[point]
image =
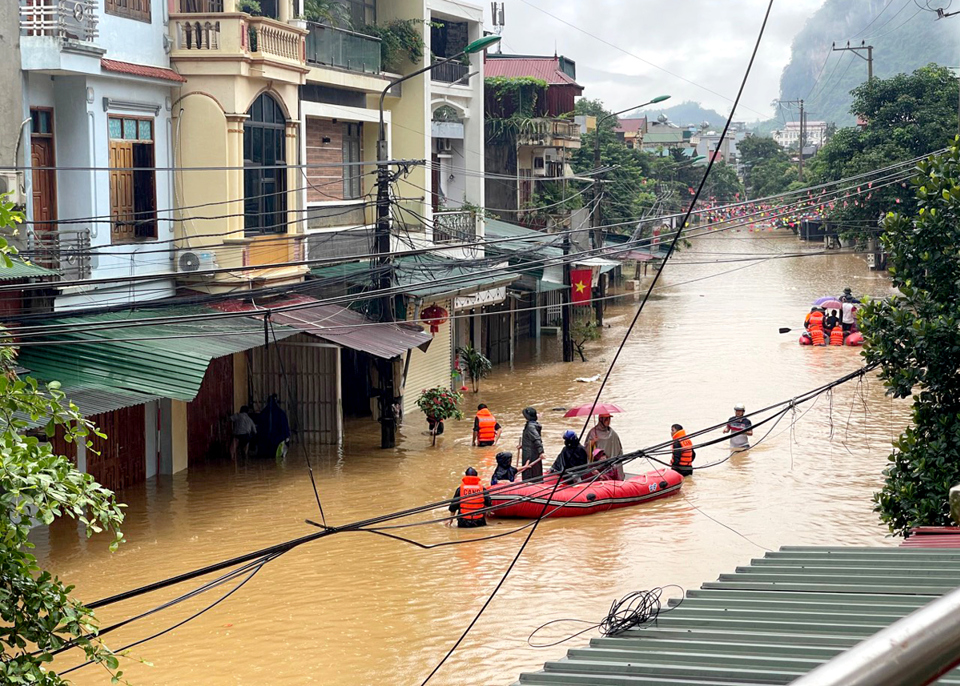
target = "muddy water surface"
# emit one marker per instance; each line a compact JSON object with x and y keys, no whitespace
{"x":361,"y":609}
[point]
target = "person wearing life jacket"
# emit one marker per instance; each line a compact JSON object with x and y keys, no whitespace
{"x":816,"y":319}
{"x":683,"y":452}
{"x":469,"y":501}
{"x":806,"y":320}
{"x":836,"y":335}
{"x":486,"y":430}
{"x":816,"y":336}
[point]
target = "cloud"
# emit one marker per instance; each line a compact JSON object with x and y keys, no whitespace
{"x":706,"y":42}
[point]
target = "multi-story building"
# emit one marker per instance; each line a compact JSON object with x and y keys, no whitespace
{"x":630,"y":131}
{"x":539,"y":150}
{"x":815,"y":134}
{"x":97,"y":106}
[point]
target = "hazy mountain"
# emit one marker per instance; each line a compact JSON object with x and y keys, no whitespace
{"x":682,"y":114}
{"x":903,"y":35}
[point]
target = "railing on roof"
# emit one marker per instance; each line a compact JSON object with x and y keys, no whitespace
{"x":333,"y":47}
{"x":449,"y":72}
{"x":455,"y":227}
{"x":66,"y":250}
{"x":61,"y":19}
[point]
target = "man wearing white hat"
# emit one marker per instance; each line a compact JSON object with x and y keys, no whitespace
{"x":741,"y":427}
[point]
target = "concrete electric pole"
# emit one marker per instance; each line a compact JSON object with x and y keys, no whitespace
{"x":856,"y":51}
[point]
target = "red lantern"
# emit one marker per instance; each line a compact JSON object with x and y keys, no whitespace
{"x":434,"y":316}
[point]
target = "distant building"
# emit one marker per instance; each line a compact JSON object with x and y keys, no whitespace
{"x":630,"y":131}
{"x":789,"y":136}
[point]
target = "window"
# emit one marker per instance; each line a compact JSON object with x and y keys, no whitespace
{"x":133,"y":185}
{"x":352,"y":151}
{"x":264,"y":176}
{"x":132,"y":9}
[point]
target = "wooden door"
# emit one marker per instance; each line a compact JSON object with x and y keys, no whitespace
{"x":43,"y":159}
{"x":121,"y":190}
{"x":121,"y":461}
{"x":435,"y":184}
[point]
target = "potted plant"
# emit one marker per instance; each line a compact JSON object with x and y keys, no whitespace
{"x":476,"y":363}
{"x":439,"y":404}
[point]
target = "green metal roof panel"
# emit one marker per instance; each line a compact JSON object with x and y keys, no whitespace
{"x":767,"y":623}
{"x":416,"y":274}
{"x":158,"y":359}
{"x":24,"y":270}
{"x":93,"y":400}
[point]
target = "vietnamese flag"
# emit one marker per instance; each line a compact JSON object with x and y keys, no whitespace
{"x":580,"y":282}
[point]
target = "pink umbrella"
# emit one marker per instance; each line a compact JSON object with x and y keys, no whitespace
{"x":584,"y":410}
{"x":831,"y":305}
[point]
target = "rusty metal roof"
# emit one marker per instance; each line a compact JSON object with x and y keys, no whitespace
{"x":768,"y":622}
{"x":517,"y":66}
{"x":340,"y":326}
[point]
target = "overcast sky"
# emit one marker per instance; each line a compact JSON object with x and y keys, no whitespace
{"x":707,"y":42}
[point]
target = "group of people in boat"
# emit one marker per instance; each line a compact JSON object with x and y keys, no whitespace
{"x":831,"y":326}
{"x":471,"y":498}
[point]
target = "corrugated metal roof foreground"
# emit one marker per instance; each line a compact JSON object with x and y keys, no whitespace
{"x":92,"y":401}
{"x":767,"y":623}
{"x":24,"y":270}
{"x":157,"y":359}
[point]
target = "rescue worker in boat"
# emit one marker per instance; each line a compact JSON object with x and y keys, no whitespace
{"x":741,"y":427}
{"x":603,"y":436}
{"x":505,"y":470}
{"x":683,"y":452}
{"x":806,"y":320}
{"x":486,"y":429}
{"x":531,"y":446}
{"x":572,"y":456}
{"x":468,"y":501}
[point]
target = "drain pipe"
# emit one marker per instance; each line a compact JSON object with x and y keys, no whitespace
{"x":915,"y":651}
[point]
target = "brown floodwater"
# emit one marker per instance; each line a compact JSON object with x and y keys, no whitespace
{"x":362,"y":609}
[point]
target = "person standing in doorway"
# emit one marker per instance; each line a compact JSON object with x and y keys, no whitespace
{"x":603,"y":437}
{"x":531,"y":446}
{"x":244,"y":431}
{"x":486,"y":429}
{"x":741,"y":427}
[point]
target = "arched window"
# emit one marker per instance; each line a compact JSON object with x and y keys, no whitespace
{"x":264,"y":183}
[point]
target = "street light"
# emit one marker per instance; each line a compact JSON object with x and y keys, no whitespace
{"x":388,"y":421}
{"x":597,"y":218}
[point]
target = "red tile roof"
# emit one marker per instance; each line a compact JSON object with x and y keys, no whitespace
{"x":141,"y":70}
{"x":546,"y":68}
{"x":631,"y":125}
{"x":933,"y":537}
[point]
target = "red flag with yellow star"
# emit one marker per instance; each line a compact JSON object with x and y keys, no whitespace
{"x":580,"y":282}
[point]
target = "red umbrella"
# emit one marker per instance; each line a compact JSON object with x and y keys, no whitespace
{"x":584,"y":410}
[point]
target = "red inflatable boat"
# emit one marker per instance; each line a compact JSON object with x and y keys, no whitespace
{"x":582,"y":498}
{"x":854,"y":339}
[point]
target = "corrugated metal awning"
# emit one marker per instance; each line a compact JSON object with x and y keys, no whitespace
{"x":768,"y":623}
{"x":341,"y":326}
{"x":95,"y":400}
{"x":23,"y":270}
{"x":118,"y":351}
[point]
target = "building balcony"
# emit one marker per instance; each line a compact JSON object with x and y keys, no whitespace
{"x":451,"y":72}
{"x":458,"y":226}
{"x":60,"y":35}
{"x":551,"y":133}
{"x":66,"y":250}
{"x":219,"y":36}
{"x":328,"y":46}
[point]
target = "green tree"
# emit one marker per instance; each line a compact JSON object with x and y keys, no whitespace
{"x":769,"y":169}
{"x":906,"y":116}
{"x":582,"y":331}
{"x":915,"y":337}
{"x":38,"y":486}
{"x":723,"y":184}
{"x":476,"y":363}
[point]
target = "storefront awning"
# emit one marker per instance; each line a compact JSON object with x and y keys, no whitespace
{"x":94,"y":400}
{"x":339,"y":325}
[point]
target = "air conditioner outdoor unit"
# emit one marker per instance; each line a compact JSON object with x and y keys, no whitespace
{"x":540,"y":171}
{"x":10,"y":183}
{"x":195,"y":261}
{"x":444,"y":145}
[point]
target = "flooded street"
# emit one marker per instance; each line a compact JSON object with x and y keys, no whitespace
{"x":361,"y":609}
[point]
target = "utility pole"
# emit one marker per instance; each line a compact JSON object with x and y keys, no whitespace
{"x":943,"y":15}
{"x":388,"y":418}
{"x":565,"y":310}
{"x":803,"y":134}
{"x":856,"y":51}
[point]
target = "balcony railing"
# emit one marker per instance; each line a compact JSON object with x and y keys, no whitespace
{"x":67,"y":250}
{"x":559,"y":133}
{"x":455,"y":227}
{"x":239,"y":34}
{"x":333,"y":47}
{"x":61,"y":19}
{"x":451,"y":72}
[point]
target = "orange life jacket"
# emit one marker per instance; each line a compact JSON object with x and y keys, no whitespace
{"x":806,"y":320}
{"x":686,"y":457}
{"x":816,"y":320}
{"x":471,"y":498}
{"x":488,"y":426}
{"x":836,"y":336}
{"x":816,"y":334}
